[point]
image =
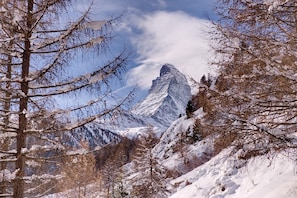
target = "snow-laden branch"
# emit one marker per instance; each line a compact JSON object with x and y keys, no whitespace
{"x":57,"y":112}
{"x":64,"y":35}
{"x":43,"y":177}
{"x":80,"y":82}
{"x":37,"y":148}
{"x":94,"y":25}
{"x":7,"y":175}
{"x":9,"y":132}
{"x":57,"y":128}
{"x":40,"y":73}
{"x":11,"y":152}
{"x":276,"y":133}
{"x":274,"y":4}
{"x":107,"y":111}
{"x":89,"y":78}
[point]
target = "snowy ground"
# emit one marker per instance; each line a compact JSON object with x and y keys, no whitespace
{"x":227,"y":177}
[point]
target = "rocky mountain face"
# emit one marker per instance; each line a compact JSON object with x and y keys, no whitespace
{"x":165,"y":102}
{"x":167,"y":98}
{"x":92,"y":134}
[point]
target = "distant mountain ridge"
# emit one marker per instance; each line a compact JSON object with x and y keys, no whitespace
{"x":93,"y":134}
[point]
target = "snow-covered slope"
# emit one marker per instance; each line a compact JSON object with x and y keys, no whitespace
{"x":92,"y":134}
{"x":226,"y":175}
{"x":175,"y":150}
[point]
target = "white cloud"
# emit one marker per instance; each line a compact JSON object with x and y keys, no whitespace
{"x":170,"y":37}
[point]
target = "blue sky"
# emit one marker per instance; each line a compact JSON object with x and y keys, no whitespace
{"x":161,"y":31}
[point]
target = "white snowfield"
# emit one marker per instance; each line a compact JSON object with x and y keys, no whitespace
{"x":228,"y":177}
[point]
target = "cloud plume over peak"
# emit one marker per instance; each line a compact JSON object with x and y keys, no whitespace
{"x":169,"y":37}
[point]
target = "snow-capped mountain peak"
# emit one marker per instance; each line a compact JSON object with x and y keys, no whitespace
{"x":165,"y":102}
{"x":167,"y":98}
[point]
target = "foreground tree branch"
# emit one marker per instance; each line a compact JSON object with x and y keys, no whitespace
{"x":38,"y":59}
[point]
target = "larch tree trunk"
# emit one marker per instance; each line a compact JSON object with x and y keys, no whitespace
{"x":23,"y":106}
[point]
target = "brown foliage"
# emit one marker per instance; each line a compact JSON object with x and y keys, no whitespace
{"x":150,"y":180}
{"x":253,"y":153}
{"x":121,"y":152}
{"x":77,"y":171}
{"x":109,"y":161}
{"x":224,"y":141}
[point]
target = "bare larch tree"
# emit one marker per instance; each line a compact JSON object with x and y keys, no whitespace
{"x":42,"y":44}
{"x":255,"y":93}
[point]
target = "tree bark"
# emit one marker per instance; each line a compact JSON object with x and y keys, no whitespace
{"x":23,"y":107}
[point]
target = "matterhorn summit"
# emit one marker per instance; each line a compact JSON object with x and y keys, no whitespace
{"x":165,"y":102}
{"x":167,"y":97}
